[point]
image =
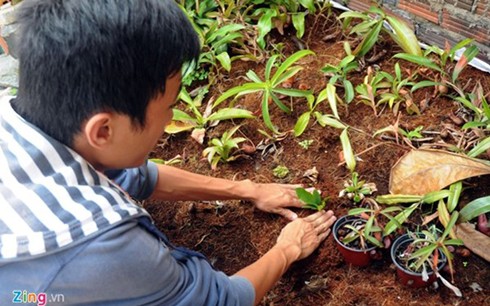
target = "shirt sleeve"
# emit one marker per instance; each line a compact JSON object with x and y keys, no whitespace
{"x":138,"y":182}
{"x":129,"y":266}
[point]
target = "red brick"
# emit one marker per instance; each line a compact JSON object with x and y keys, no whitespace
{"x":483,"y":8}
{"x":419,"y":9}
{"x":462,"y":4}
{"x":463,"y":27}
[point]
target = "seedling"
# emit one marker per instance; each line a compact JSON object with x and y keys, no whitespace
{"x":269,"y":87}
{"x":305,"y":144}
{"x":356,"y":190}
{"x":373,"y":215}
{"x":221,"y":149}
{"x":360,"y":233}
{"x":312,"y":200}
{"x":195,"y":120}
{"x":280,"y":171}
{"x":279,"y":14}
{"x":372,"y":24}
{"x":338,"y":75}
{"x":443,"y":61}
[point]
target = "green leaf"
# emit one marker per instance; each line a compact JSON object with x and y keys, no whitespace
{"x":308,"y":4}
{"x":453,"y":199}
{"x":286,"y":75}
{"x":224,"y":60}
{"x":332,"y":99}
{"x":299,"y":23}
{"x":369,"y":40}
{"x":419,"y":60}
{"x":452,"y":221}
{"x":325,"y":120}
{"x":279,"y":103}
{"x":468,"y":55}
{"x":349,"y":157}
{"x":264,"y":26}
{"x":288,"y":62}
{"x":230,"y":113}
{"x":392,"y":225}
{"x":265,"y":113}
{"x":404,"y":36}
{"x":423,"y":84}
{"x":239,"y":90}
{"x":475,"y":208}
{"x":253,"y":76}
{"x":292,"y":92}
{"x":357,"y":211}
{"x":349,"y":91}
{"x":269,"y":65}
{"x":483,"y":146}
{"x":305,"y":196}
{"x":301,"y":124}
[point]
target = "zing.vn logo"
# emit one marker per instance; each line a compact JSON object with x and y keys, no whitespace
{"x":41,"y":299}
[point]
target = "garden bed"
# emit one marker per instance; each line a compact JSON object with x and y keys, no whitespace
{"x":235,"y":234}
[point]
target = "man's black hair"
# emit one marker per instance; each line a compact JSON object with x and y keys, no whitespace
{"x":79,"y":57}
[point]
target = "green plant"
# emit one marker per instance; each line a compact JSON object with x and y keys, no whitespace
{"x":373,"y":214}
{"x":372,"y":24}
{"x":312,"y":200}
{"x":443,"y":62}
{"x":423,"y":252}
{"x":368,"y":90}
{"x":197,"y":121}
{"x":338,"y":75}
{"x":280,"y":171}
{"x":304,"y":119}
{"x":398,"y":92}
{"x":279,"y":14}
{"x":363,"y":232}
{"x":305,"y":144}
{"x":477,"y":103}
{"x":221,"y":149}
{"x":356,"y":190}
{"x":412,"y":134}
{"x":173,"y":161}
{"x":269,"y":87}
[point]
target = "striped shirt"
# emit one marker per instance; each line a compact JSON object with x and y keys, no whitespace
{"x":50,"y":197}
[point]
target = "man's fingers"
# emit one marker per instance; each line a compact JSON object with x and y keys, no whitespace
{"x":286,"y":213}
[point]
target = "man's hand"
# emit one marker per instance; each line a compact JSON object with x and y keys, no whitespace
{"x":302,"y":236}
{"x":274,"y":198}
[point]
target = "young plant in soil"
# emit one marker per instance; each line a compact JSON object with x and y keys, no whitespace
{"x":197,"y":121}
{"x":312,"y":200}
{"x":221,"y":149}
{"x":269,"y":87}
{"x":356,"y":190}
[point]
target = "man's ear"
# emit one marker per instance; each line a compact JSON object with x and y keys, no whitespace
{"x":99,"y":130}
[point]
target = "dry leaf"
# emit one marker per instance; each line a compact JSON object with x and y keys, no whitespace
{"x":477,"y":242}
{"x":422,"y":171}
{"x":198,"y":135}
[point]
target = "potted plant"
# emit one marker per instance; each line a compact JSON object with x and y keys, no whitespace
{"x":419,"y":256}
{"x":355,"y":240}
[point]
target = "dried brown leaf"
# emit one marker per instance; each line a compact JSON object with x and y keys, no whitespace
{"x":422,"y":171}
{"x":474,"y":240}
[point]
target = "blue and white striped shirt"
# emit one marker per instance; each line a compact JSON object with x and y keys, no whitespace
{"x":50,"y":197}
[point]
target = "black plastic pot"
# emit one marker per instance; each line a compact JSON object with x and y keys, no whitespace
{"x":356,"y":257}
{"x":407,"y":277}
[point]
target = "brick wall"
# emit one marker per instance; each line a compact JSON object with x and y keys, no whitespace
{"x":438,"y":21}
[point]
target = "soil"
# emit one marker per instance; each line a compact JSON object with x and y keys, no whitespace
{"x":236,"y":234}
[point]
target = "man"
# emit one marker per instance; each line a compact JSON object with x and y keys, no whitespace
{"x":97,"y":82}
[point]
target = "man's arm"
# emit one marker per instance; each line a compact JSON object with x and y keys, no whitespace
{"x":175,"y":184}
{"x":297,"y":240}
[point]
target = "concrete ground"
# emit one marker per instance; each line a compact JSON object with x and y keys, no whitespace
{"x":8,"y":72}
